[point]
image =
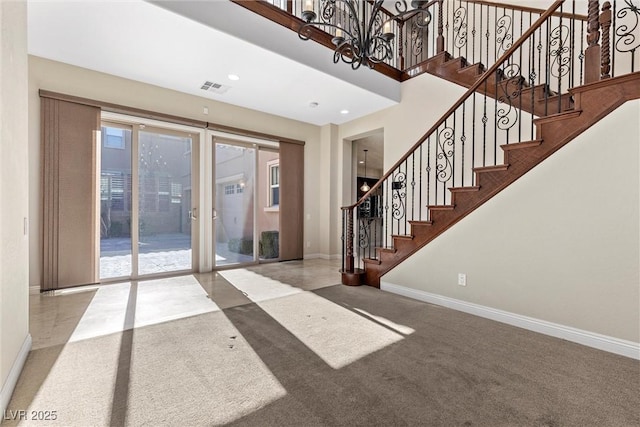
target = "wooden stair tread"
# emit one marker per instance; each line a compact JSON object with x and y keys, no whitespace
{"x":496,"y":168}
{"x":418,"y":223}
{"x":441,"y":207}
{"x":520,"y":145}
{"x":371,"y":261}
{"x":559,"y":116}
{"x":389,"y":249}
{"x":402,"y":236}
{"x":469,"y":189}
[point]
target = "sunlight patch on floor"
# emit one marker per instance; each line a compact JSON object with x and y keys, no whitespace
{"x":156,"y":301}
{"x":212,"y":377}
{"x":337,"y":335}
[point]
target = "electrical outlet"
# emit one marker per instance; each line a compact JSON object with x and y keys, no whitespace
{"x":308,"y":244}
{"x":462,"y":279}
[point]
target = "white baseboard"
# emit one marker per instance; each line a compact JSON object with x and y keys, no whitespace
{"x":14,"y":373}
{"x":591,"y":339}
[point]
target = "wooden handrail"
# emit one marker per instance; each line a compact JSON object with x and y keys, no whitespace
{"x":549,"y":12}
{"x":527,"y":9}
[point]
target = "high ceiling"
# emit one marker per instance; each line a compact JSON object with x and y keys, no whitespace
{"x":181,"y":45}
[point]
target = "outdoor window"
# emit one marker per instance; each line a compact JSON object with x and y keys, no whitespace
{"x":274,"y":185}
{"x":239,"y":188}
{"x":114,"y":138}
{"x":229,"y":189}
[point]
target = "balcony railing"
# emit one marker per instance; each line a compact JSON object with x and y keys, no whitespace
{"x":482,"y":31}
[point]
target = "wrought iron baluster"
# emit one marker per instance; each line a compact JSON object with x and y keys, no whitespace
{"x":463,"y":139}
{"x":480,"y":38}
{"x":627,"y":31}
{"x":413,"y":185}
{"x":524,"y":82}
{"x":473,"y":140}
{"x":420,"y":186}
{"x":487,"y":35}
{"x":532,"y":75}
{"x":548,"y":72}
{"x":460,"y":28}
{"x":605,"y":23}
{"x":485,"y":119}
{"x":386,"y":214}
{"x":429,"y":177}
{"x":473,"y":34}
{"x":453,"y":161}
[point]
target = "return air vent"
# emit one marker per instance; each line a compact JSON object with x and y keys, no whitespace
{"x":215,"y":87}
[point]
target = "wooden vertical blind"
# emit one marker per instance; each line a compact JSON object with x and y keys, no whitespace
{"x":291,"y":201}
{"x":69,"y":190}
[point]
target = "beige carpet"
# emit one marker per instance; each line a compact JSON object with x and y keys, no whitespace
{"x":333,"y":356}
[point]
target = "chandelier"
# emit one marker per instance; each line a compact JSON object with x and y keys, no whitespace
{"x":363,"y":31}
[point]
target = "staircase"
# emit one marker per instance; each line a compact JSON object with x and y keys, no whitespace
{"x":507,"y":122}
{"x":592,"y":102}
{"x":536,"y":80}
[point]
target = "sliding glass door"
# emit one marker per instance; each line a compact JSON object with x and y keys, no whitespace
{"x":235,"y":185}
{"x":246,"y":202}
{"x":146,"y":215}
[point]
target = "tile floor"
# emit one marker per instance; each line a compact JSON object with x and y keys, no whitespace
{"x":80,"y":313}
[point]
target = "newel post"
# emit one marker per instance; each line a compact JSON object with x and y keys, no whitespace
{"x":347,"y":235}
{"x":592,"y":53}
{"x":440,"y":39}
{"x":605,"y":23}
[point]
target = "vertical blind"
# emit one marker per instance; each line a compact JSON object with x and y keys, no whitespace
{"x":69,"y":150}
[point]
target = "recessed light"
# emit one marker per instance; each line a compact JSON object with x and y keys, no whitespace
{"x":361,"y":162}
{"x":344,"y":111}
{"x":233,"y":77}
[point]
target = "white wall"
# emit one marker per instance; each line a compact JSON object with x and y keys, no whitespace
{"x":561,"y":244}
{"x":14,"y":255}
{"x":63,"y":78}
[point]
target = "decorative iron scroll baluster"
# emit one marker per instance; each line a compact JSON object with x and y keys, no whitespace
{"x":560,"y":65}
{"x":605,"y":23}
{"x":627,"y":30}
{"x":511,"y":88}
{"x":445,"y":145}
{"x":416,"y":38}
{"x":504,"y":38}
{"x":364,"y":233}
{"x":398,"y":187}
{"x":460,"y":28}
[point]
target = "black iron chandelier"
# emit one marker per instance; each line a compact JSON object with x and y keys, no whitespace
{"x":363,"y":30}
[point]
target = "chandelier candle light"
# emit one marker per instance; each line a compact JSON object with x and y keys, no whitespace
{"x":361,"y":32}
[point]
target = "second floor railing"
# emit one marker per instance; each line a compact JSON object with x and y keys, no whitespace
{"x":481,"y":31}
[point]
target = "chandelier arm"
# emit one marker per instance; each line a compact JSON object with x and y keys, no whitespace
{"x":354,"y":16}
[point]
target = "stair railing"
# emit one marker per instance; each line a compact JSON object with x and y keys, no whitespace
{"x":497,"y":110}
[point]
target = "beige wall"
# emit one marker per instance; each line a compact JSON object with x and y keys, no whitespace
{"x":561,"y":244}
{"x":58,"y":77}
{"x":14,"y":255}
{"x":424,"y":100}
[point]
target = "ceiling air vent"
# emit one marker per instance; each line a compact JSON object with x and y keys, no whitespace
{"x":215,"y":87}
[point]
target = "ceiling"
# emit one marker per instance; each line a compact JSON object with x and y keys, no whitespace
{"x":181,"y":44}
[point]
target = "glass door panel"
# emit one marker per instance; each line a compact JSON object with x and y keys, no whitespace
{"x":234,"y":204}
{"x":115,"y":202}
{"x":164,"y":208}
